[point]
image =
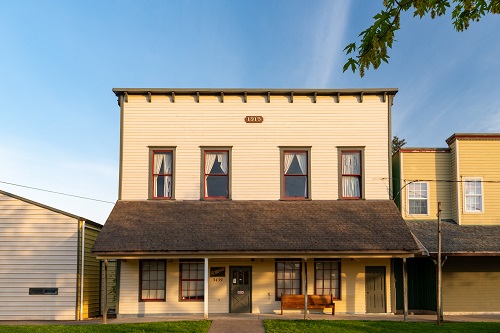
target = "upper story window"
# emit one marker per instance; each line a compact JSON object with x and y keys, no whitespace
{"x":418,"y":198}
{"x":295,"y":174}
{"x":216,"y":174}
{"x":351,"y":174}
{"x":162,"y":174}
{"x":152,"y":280}
{"x":473,"y":195}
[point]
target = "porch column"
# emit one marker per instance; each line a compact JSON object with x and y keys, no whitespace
{"x":105,"y":314}
{"x":405,"y":290}
{"x":304,"y":270}
{"x":205,"y":295}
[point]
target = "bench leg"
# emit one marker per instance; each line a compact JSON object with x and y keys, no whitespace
{"x":333,"y":310}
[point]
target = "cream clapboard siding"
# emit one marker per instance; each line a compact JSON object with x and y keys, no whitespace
{"x":255,"y":167}
{"x":433,"y":166}
{"x":38,"y":248}
{"x":467,"y":290}
{"x":480,"y":158}
{"x":263,"y":288}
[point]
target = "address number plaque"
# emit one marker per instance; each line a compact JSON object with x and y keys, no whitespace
{"x":254,"y":119}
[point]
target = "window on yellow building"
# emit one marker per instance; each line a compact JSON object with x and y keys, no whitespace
{"x":418,"y":198}
{"x":473,"y":195}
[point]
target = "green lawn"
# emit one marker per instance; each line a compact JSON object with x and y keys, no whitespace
{"x":172,"y":326}
{"x":356,"y":326}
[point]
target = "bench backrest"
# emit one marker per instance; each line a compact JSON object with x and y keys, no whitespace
{"x":298,"y":300}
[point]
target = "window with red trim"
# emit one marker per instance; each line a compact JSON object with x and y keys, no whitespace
{"x":351,"y":174}
{"x":192,"y":282}
{"x":288,"y":277}
{"x":152,"y":275}
{"x":162,"y":174}
{"x":327,"y":277}
{"x":295,"y":174}
{"x":216,"y":177}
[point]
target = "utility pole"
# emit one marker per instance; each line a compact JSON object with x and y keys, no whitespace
{"x":439,"y":271}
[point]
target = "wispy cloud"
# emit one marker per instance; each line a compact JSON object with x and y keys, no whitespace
{"x":327,"y":49}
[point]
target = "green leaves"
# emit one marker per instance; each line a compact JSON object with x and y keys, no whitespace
{"x":375,"y":41}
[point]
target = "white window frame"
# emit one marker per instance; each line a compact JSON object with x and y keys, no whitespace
{"x":408,"y":187}
{"x":472,"y":179}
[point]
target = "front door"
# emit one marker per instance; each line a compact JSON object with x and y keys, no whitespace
{"x":240,"y":286}
{"x":375,"y":289}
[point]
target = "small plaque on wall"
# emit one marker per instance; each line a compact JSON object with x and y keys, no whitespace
{"x":254,"y":119}
{"x":217,"y":271}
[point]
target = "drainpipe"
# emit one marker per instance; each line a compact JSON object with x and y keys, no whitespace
{"x":82,"y":270}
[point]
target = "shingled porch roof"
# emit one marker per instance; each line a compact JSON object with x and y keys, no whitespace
{"x":482,"y":240}
{"x":255,"y":227}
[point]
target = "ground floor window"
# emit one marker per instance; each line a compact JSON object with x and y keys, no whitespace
{"x":288,"y":277}
{"x":327,"y":277}
{"x":152,"y":280}
{"x":192,"y":283}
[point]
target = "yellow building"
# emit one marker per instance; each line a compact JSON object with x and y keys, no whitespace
{"x":465,"y":179}
{"x":230,"y":198}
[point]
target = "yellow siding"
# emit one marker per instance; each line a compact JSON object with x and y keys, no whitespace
{"x":91,"y":277}
{"x":255,"y":168}
{"x":481,"y":158}
{"x":38,"y":248}
{"x":434,"y":167}
{"x":111,"y":290}
{"x":471,"y":285}
{"x":454,"y":186}
{"x":263,"y":288}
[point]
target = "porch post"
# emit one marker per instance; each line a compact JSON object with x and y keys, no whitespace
{"x":105,"y":314}
{"x":439,"y":271}
{"x":205,"y":294}
{"x":305,"y":287}
{"x":405,"y":290}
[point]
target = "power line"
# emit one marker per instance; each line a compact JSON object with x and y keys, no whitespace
{"x":60,"y":193}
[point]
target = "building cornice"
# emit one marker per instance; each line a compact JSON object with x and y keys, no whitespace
{"x":472,"y":136}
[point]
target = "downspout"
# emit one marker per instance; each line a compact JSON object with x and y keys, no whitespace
{"x":82,"y":270}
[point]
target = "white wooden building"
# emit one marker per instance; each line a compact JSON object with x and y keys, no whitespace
{"x":47,"y":270}
{"x":229,"y":198}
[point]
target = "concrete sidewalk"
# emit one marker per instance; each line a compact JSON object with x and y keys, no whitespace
{"x":252,"y":323}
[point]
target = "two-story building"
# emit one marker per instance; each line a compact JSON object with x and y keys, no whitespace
{"x":465,"y":178}
{"x":230,"y":198}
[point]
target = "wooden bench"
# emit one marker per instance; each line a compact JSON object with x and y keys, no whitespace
{"x":313,"y":302}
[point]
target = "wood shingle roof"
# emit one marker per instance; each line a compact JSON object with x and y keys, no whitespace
{"x":458,"y":239}
{"x":166,"y":227}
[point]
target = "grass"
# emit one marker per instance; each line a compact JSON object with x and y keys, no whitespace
{"x":201,"y":326}
{"x":356,"y":326}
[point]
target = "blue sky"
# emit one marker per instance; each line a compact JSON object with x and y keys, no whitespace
{"x":59,"y":120}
